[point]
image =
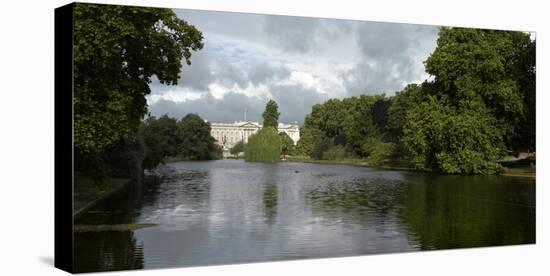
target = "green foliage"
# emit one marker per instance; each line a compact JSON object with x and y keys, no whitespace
{"x":442,"y":138}
{"x":360,"y":125}
{"x":125,"y":158}
{"x":490,"y":69}
{"x":196,"y":142}
{"x":263,"y":146}
{"x":237,"y":148}
{"x":117,"y":49}
{"x":287,"y":144}
{"x":349,"y":122}
{"x":321,"y":147}
{"x":271,"y":115}
{"x":309,"y":137}
{"x":337,"y":152}
{"x":380,"y":113}
{"x":383,"y":153}
{"x":329,"y":117}
{"x":161,"y":140}
{"x":187,"y":139}
{"x":400,"y":104}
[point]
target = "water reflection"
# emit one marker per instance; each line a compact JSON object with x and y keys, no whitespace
{"x":473,"y":211}
{"x":223,"y":212}
{"x":107,"y":251}
{"x":356,"y":201}
{"x":269,"y":199}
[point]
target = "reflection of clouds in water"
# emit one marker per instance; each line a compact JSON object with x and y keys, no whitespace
{"x":229,"y":204}
{"x":173,"y":219}
{"x":223,"y":212}
{"x":235,"y":211}
{"x":181,"y":195}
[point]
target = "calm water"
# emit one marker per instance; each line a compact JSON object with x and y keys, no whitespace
{"x":227,"y":211}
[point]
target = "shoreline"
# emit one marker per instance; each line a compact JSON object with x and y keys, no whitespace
{"x":89,"y":195}
{"x":510,"y":171}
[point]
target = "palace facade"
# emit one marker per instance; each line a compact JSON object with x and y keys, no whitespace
{"x":229,"y":134}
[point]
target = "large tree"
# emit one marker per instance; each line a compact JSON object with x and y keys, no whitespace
{"x":117,"y":51}
{"x":479,"y":104}
{"x":489,"y":69}
{"x":271,"y":115}
{"x":445,"y":139}
{"x":263,"y":146}
{"x":161,"y":140}
{"x":196,"y":142}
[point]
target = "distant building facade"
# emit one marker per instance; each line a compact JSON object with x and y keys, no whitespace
{"x":229,"y":134}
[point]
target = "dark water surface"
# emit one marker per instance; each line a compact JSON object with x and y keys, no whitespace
{"x":227,"y":211}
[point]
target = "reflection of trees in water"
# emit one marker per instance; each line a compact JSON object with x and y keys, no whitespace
{"x":356,"y":201}
{"x":192,"y":188}
{"x":121,"y":207}
{"x":107,"y":251}
{"x":269,"y":198}
{"x":459,"y":211}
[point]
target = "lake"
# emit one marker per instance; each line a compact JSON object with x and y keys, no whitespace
{"x":230,"y":211}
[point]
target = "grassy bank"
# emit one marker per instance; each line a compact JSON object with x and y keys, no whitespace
{"x":395,"y":165}
{"x":86,"y":192}
{"x":520,"y":168}
{"x":511,"y":168}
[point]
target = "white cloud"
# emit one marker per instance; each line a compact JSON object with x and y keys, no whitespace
{"x":179,"y":95}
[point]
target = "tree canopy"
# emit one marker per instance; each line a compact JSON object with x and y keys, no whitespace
{"x":263,"y":146}
{"x":187,"y":139}
{"x":271,"y":115}
{"x":117,"y":52}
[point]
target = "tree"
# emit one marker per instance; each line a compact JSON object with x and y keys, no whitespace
{"x":361,"y":127}
{"x":397,"y":112}
{"x":330,"y":117}
{"x":321,"y":147}
{"x":309,"y":137}
{"x":117,"y":50}
{"x":237,"y":148}
{"x":476,"y":107}
{"x":380,"y":113}
{"x":196,"y":141}
{"x":455,"y":141}
{"x":263,"y":146}
{"x":271,"y":115}
{"x":287,"y":144}
{"x":161,"y":140}
{"x":490,"y":69}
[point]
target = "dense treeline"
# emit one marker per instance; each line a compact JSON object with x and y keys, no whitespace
{"x":479,"y":107}
{"x":186,"y":139}
{"x":117,"y":50}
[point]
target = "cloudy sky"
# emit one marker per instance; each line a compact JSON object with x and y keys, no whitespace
{"x":248,"y":59}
